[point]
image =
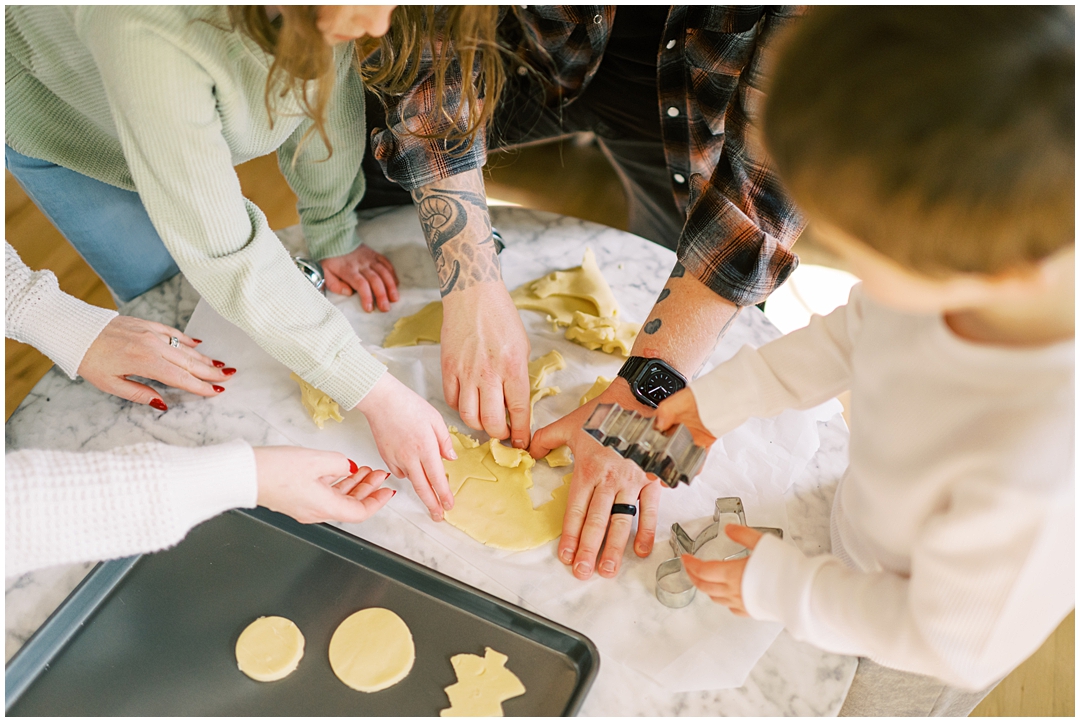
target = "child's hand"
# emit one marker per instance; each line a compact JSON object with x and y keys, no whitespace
{"x":681,"y":408}
{"x":300,"y":482}
{"x":412,"y":439}
{"x":722,"y":581}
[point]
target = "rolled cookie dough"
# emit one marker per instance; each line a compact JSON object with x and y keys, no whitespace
{"x":609,"y":335}
{"x":559,"y":457}
{"x":372,"y":650}
{"x":484,"y":683}
{"x":424,"y":325}
{"x":500,"y":513}
{"x":562,"y":293}
{"x":269,"y":649}
{"x":599,"y":387}
{"x":318,"y":404}
{"x":539,"y":368}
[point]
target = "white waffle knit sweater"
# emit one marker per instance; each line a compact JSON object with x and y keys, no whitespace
{"x":953,"y":526}
{"x":64,"y":507}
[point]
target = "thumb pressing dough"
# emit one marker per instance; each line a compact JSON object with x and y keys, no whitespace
{"x":500,"y":513}
{"x":372,"y":650}
{"x":318,"y":404}
{"x":424,"y":325}
{"x":484,"y":683}
{"x":269,"y":649}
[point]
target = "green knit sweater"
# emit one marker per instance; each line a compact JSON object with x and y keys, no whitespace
{"x":165,"y":100}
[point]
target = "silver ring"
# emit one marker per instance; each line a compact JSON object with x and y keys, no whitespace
{"x":174,"y":342}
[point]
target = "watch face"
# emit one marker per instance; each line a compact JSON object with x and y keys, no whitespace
{"x":658,"y":383}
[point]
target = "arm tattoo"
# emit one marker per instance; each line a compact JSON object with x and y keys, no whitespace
{"x":443,"y":216}
{"x":653,"y":326}
{"x":664,"y":294}
{"x":679,"y":271}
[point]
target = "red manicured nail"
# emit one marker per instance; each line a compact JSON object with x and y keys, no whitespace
{"x":159,"y":405}
{"x":219,"y":389}
{"x":353,"y":468}
{"x":218,"y":364}
{"x":229,"y":371}
{"x":197,"y":340}
{"x":393,"y":493}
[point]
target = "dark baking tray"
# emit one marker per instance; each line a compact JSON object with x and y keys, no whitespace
{"x":154,"y":634}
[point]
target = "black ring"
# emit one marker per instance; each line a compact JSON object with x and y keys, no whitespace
{"x":624,"y":509}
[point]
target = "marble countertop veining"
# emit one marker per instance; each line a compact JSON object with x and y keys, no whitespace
{"x":791,"y":678}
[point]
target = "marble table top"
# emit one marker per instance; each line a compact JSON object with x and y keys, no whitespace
{"x":790,"y":678}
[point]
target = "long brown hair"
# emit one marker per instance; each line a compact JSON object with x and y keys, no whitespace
{"x":300,"y":54}
{"x":390,"y":65}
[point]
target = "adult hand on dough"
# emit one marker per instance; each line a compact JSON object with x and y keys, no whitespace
{"x":601,"y":478}
{"x":129,"y":346}
{"x":371,"y":274}
{"x":485,"y":361}
{"x":412,"y":439}
{"x":315,"y":486}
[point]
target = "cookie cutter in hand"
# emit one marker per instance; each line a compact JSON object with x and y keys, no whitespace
{"x":673,"y":587}
{"x":672,"y":456}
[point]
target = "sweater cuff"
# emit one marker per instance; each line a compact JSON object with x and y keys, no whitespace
{"x":329,"y":239}
{"x":62,"y":327}
{"x":776,"y":584}
{"x":208,"y":480}
{"x":354,"y":373}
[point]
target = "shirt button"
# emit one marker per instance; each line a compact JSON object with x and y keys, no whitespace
{"x":679,"y":178}
{"x":672,"y":112}
{"x":670,"y":44}
{"x":522,"y":70}
{"x":598,"y":18}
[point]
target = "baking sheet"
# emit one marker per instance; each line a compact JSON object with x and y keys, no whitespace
{"x":155,"y":635}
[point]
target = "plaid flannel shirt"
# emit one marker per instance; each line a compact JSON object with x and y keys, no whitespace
{"x":711,"y":65}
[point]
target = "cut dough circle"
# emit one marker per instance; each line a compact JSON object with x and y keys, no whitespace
{"x":269,"y":649}
{"x":372,"y":650}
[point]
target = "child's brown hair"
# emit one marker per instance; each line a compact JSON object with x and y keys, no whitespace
{"x":942,"y":137}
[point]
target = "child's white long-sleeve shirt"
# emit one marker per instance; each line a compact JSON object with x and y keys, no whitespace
{"x":953,"y":526}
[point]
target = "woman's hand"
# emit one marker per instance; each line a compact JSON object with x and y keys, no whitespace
{"x":315,"y":486}
{"x":371,"y":274}
{"x":412,"y":439}
{"x":681,"y":408}
{"x":130,"y":346}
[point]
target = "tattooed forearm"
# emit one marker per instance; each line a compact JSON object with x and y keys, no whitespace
{"x":458,"y":233}
{"x":652,"y":326}
{"x":664,"y":294}
{"x":679,"y":271}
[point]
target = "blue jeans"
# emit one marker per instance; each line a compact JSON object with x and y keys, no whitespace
{"x":107,"y":225}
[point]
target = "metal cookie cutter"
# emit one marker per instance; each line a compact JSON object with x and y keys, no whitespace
{"x":672,"y":456}
{"x":673,"y":586}
{"x":312,"y":271}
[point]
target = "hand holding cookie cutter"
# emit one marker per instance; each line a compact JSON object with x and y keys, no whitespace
{"x":672,"y":455}
{"x":673,"y":587}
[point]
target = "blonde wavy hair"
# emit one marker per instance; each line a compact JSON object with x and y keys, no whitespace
{"x":467,"y":34}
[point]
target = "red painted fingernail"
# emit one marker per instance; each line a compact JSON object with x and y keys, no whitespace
{"x":159,"y":405}
{"x":353,"y":468}
{"x":219,"y":389}
{"x":229,"y":371}
{"x":393,"y":493}
{"x":218,"y":364}
{"x":197,"y":340}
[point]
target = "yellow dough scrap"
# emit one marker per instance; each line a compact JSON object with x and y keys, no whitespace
{"x":539,"y":368}
{"x":318,"y":404}
{"x":424,"y":325}
{"x":599,"y":387}
{"x":561,"y":294}
{"x":500,"y":514}
{"x":372,"y":649}
{"x":269,"y":649}
{"x":483,"y":684}
{"x":559,"y":457}
{"x":604,"y":334}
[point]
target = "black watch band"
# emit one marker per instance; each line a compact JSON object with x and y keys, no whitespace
{"x":651,"y":379}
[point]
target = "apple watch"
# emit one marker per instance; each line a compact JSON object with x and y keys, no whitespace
{"x":651,"y":379}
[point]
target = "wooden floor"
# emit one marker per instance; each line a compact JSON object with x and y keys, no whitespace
{"x":569,"y":178}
